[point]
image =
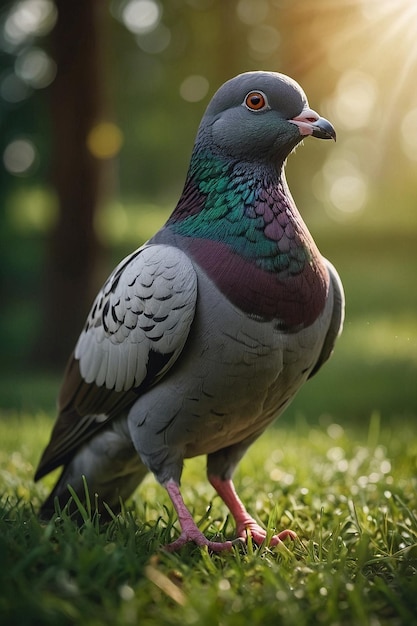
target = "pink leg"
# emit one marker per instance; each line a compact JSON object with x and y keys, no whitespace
{"x":190,"y":532}
{"x":245,"y":524}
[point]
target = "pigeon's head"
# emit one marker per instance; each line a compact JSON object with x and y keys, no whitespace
{"x":260,"y":116}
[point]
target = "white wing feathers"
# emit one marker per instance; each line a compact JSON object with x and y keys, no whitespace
{"x":144,"y":309}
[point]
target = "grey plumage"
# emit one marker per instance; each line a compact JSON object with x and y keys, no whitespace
{"x":203,"y":336}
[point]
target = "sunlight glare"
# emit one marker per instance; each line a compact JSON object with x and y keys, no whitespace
{"x":399,"y":14}
{"x":367,"y":50}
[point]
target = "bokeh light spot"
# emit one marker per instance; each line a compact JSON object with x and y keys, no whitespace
{"x":111,"y":223}
{"x":27,"y":18}
{"x":194,"y":88}
{"x":104,"y":140}
{"x":355,"y":99}
{"x":252,"y":13}
{"x":35,"y":68}
{"x":141,"y":16}
{"x":19,"y":157}
{"x":13,"y":89}
{"x":155,"y":41}
{"x":341,"y":185}
{"x":263,"y":41}
{"x":349,"y":193}
{"x":32,"y":209}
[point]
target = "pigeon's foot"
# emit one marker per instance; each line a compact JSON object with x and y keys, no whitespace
{"x":245,"y":524}
{"x":259,"y":534}
{"x":197,"y":537}
{"x":189,"y":529}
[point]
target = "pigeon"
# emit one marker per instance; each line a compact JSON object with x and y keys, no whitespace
{"x":201,"y":337}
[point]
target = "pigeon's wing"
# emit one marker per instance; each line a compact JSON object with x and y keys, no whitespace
{"x":336,"y":322}
{"x":136,"y":329}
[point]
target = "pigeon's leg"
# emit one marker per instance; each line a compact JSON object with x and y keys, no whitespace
{"x":189,"y":530}
{"x":245,"y":524}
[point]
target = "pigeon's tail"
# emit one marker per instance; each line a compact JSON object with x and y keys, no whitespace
{"x":103,"y":473}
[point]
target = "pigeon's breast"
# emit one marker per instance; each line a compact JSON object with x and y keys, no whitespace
{"x":293,"y":299}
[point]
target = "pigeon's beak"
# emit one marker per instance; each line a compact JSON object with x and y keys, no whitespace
{"x":310,"y":123}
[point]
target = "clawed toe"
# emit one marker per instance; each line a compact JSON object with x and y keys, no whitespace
{"x":200,"y":540}
{"x":259,"y":535}
{"x":281,"y":536}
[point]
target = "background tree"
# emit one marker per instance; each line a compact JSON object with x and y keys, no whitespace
{"x":75,"y":106}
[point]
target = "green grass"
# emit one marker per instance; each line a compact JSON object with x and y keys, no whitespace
{"x":349,"y":493}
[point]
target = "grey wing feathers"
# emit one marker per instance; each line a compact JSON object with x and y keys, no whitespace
{"x":136,"y":330}
{"x":337,"y":319}
{"x":145,"y":307}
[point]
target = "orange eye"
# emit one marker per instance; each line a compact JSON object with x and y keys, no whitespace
{"x":255,"y":101}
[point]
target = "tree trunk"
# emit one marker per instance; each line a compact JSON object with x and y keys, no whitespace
{"x":73,"y":250}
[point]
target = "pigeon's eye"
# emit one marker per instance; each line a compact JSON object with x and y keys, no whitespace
{"x":256,"y":101}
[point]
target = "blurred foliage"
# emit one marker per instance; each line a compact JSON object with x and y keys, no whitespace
{"x":162,"y":61}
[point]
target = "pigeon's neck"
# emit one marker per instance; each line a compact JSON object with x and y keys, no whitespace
{"x":240,"y":223}
{"x":247,"y":207}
